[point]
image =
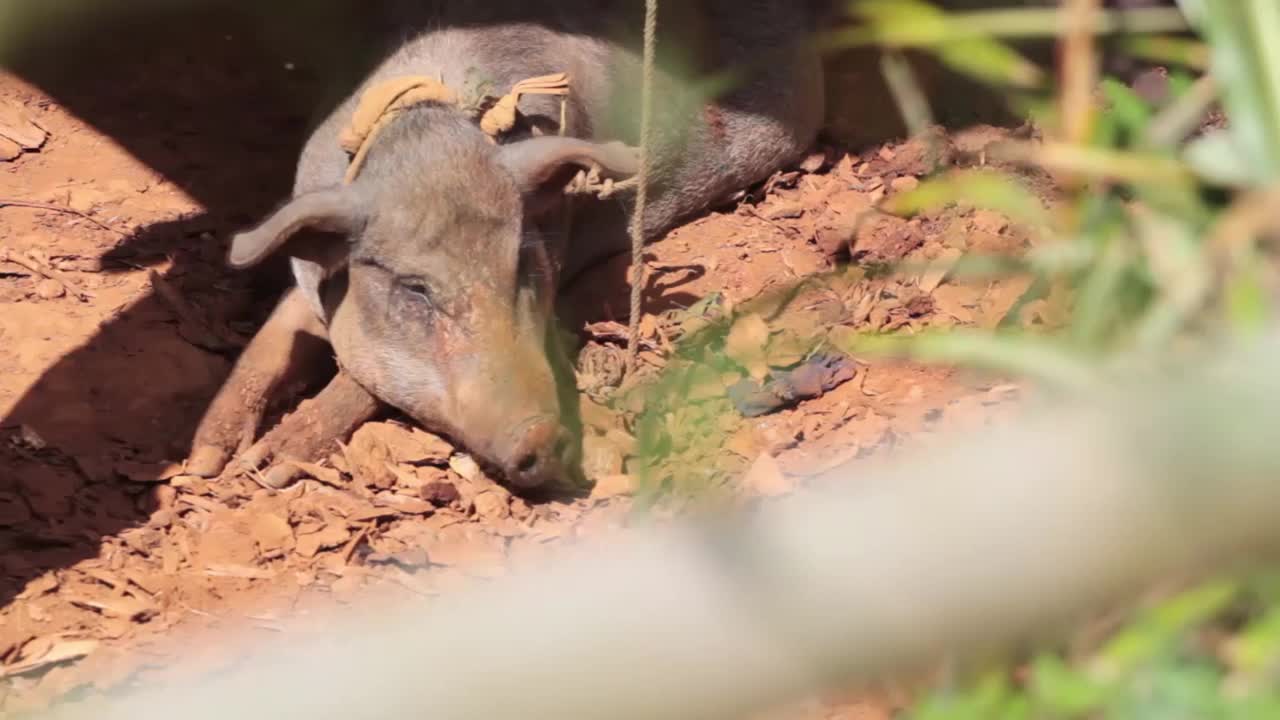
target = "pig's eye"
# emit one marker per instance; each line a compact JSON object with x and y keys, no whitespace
{"x":418,"y":289}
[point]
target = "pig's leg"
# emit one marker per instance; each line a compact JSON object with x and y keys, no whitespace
{"x":287,"y":348}
{"x":311,"y":430}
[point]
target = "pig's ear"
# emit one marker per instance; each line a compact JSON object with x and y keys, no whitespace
{"x":537,"y":161}
{"x":336,"y":210}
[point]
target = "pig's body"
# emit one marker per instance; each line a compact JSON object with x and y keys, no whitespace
{"x":438,"y":301}
{"x":736,"y":142}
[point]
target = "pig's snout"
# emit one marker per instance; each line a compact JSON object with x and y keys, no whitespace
{"x":538,"y":453}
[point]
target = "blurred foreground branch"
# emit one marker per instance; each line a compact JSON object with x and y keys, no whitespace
{"x":1002,"y":538}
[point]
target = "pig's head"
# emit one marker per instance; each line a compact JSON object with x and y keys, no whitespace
{"x":437,"y":284}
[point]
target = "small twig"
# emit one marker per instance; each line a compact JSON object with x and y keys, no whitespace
{"x":207,"y":336}
{"x":201,"y":613}
{"x":255,"y":475}
{"x":350,"y":549}
{"x":41,"y":269}
{"x":8,"y":202}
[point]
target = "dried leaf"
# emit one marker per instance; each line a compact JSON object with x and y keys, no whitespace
{"x":374,"y":514}
{"x":9,"y":150}
{"x":401,"y":444}
{"x":125,"y":608}
{"x":493,"y":506}
{"x":272,"y":533}
{"x":245,"y":572}
{"x":957,"y":301}
{"x":42,"y":585}
{"x":612,"y":486}
{"x":376,"y":444}
{"x":19,"y":127}
{"x":59,"y":652}
{"x":330,"y":536}
{"x":328,"y":476}
{"x":788,"y":348}
{"x":404,"y":504}
{"x":463,"y":547}
{"x":766,"y":478}
{"x":939,"y":269}
{"x":405,"y":478}
{"x":466,"y":467}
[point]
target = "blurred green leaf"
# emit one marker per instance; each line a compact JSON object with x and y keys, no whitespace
{"x":991,"y":62}
{"x":1248,"y":305}
{"x":1165,"y":50}
{"x":1245,"y":41}
{"x":1256,"y":649}
{"x":1062,"y":690}
{"x":1219,"y":157}
{"x":1041,"y":358}
{"x":973,"y":188}
{"x":1154,"y":632}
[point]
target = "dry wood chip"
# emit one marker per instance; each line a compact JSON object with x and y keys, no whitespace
{"x":42,"y":585}
{"x":374,"y":514}
{"x":319,"y":473}
{"x":329,"y":537}
{"x":401,"y":444}
{"x":9,"y":150}
{"x":493,"y":505}
{"x":404,"y":504}
{"x":112,"y":581}
{"x":238,"y":571}
{"x":271,"y":532}
{"x":405,"y":478}
{"x":146,"y":582}
{"x":19,"y":127}
{"x":125,"y":608}
{"x":939,"y":269}
{"x":201,"y":503}
{"x":170,"y":559}
{"x":355,"y":541}
{"x":58,"y":652}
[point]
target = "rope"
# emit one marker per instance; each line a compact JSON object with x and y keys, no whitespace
{"x":502,"y":116}
{"x":642,"y":179}
{"x":382,"y":102}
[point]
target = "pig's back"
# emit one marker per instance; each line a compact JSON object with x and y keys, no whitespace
{"x":705,"y":150}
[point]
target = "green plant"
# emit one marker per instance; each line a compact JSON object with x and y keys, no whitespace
{"x":1155,"y":247}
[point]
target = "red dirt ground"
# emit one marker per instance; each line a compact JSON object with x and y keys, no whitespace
{"x":116,"y":569}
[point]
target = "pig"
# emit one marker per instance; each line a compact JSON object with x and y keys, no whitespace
{"x":433,"y":274}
